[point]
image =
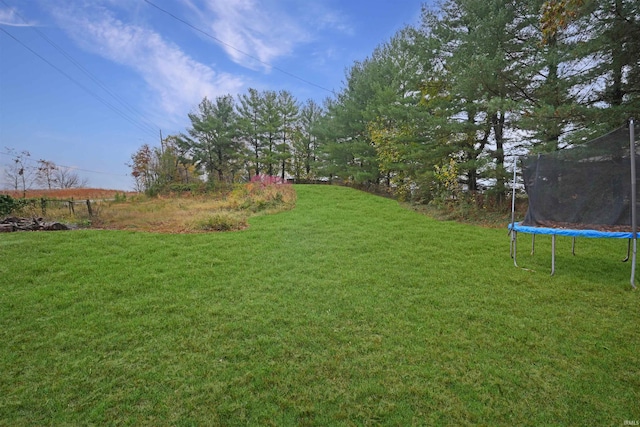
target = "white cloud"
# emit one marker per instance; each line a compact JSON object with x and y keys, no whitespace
{"x":12,"y":18}
{"x":327,"y":19}
{"x":255,"y":33}
{"x":178,"y":80}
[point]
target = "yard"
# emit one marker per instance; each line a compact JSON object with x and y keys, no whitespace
{"x":347,"y":310}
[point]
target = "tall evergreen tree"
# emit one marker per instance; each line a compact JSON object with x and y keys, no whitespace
{"x":476,"y":40}
{"x":249,"y":121}
{"x":270,"y":125}
{"x":306,"y":140}
{"x":289,"y":111}
{"x":348,"y":152}
{"x":614,"y":46}
{"x":213,"y":141}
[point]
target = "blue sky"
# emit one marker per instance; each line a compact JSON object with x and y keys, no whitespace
{"x":84,"y":83}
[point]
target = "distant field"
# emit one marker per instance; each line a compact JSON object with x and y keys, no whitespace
{"x":68,"y":193}
{"x":347,"y":310}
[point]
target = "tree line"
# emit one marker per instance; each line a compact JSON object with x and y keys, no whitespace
{"x":232,"y":139}
{"x":436,"y":112}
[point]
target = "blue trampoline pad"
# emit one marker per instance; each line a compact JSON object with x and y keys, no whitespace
{"x":571,"y":232}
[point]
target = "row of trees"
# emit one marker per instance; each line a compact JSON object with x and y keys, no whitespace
{"x":23,"y":173}
{"x":229,"y":140}
{"x":437,"y":110}
{"x":479,"y":80}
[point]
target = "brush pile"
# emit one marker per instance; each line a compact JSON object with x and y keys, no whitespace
{"x":29,"y":224}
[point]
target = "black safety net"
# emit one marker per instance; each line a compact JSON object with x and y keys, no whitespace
{"x":587,"y":186}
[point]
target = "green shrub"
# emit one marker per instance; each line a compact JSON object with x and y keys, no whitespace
{"x":8,"y":204}
{"x":192,"y":187}
{"x":220,"y":222}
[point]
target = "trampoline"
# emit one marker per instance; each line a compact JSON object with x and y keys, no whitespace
{"x":517,"y":227}
{"x":589,"y":190}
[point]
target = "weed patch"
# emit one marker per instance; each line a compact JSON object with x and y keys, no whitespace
{"x":174,"y":213}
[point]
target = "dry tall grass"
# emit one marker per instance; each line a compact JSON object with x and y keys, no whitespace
{"x":177,"y":213}
{"x":195,"y":213}
{"x":68,"y":193}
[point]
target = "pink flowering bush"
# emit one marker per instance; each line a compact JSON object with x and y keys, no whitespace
{"x":266,"y":180}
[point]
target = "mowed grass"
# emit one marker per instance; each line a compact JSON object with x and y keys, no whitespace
{"x":347,"y":310}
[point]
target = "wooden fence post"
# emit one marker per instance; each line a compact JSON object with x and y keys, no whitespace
{"x":89,"y":208}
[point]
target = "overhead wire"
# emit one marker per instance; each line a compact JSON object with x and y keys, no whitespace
{"x":248,"y":55}
{"x":143,"y":120}
{"x":83,"y":87}
{"x":30,"y":160}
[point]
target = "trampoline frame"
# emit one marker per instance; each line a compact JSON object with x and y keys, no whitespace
{"x":515,"y":227}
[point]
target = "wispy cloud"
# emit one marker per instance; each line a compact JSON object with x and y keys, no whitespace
{"x":256,"y":33}
{"x":323,"y":18}
{"x":10,"y":17}
{"x":179,"y":81}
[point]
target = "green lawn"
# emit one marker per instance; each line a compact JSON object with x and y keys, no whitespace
{"x":347,"y":310}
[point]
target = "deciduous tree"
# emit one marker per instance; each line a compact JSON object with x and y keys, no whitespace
{"x":45,"y":174}
{"x":65,"y":177}
{"x":19,"y":174}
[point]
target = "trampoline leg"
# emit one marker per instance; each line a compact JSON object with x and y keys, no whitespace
{"x":633,"y":266}
{"x":514,"y":246}
{"x":533,"y":243}
{"x":573,"y":247}
{"x":628,"y":251}
{"x":511,"y":243}
{"x":553,"y":254}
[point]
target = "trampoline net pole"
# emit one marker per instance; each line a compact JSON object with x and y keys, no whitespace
{"x":634,"y":226}
{"x":513,"y":194}
{"x":513,"y":203}
{"x":512,"y":246}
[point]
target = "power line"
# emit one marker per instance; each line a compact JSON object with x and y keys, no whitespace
{"x":83,"y":87}
{"x":144,"y":120}
{"x":248,"y":55}
{"x":29,"y":159}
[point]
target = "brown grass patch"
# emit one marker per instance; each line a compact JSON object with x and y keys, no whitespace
{"x":176,"y":213}
{"x":194,"y":214}
{"x":69,"y":193}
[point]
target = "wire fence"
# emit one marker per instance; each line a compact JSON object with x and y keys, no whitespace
{"x":61,"y":208}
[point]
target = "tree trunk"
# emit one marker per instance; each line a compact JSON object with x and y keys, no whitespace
{"x":554,"y":129}
{"x":617,"y":60}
